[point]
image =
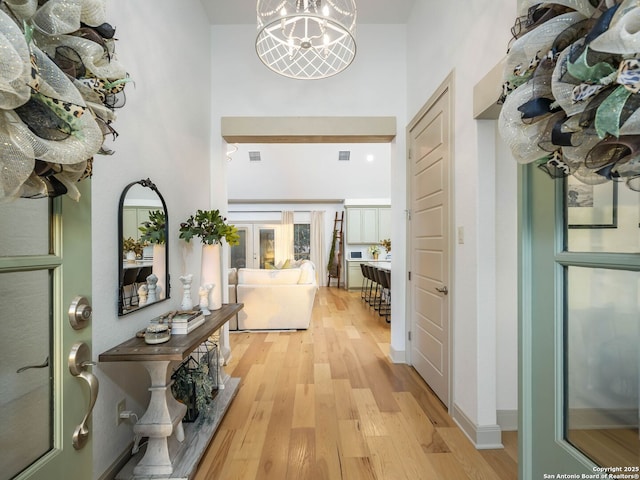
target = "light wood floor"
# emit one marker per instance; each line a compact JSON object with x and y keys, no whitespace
{"x":327,"y":403}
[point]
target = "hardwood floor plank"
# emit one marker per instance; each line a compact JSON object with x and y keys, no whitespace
{"x":467,"y":457}
{"x":370,"y":416}
{"x":387,"y":463}
{"x":217,"y":454}
{"x":328,"y":404}
{"x":301,"y":460}
{"x":422,"y":428}
{"x":328,"y":465}
{"x":510,"y":442}
{"x":446,"y":465}
{"x":236,"y":416}
{"x":322,"y":378}
{"x":352,"y":439}
{"x":414,"y":459}
{"x":360,"y":468}
{"x":251,"y":438}
{"x":346,"y":408}
{"x":304,"y":412}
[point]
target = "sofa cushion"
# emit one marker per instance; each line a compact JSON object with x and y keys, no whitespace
{"x":307,"y":272}
{"x":256,"y":276}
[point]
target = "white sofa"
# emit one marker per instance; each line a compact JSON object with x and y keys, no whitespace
{"x":274,"y":299}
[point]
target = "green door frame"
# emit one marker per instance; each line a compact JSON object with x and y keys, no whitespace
{"x":542,"y":448}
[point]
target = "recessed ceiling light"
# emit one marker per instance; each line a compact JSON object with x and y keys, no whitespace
{"x":369,"y":158}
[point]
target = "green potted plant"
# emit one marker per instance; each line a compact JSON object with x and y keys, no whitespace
{"x":211,"y":227}
{"x":193,"y":386}
{"x":131,"y":249}
{"x":154,"y":230}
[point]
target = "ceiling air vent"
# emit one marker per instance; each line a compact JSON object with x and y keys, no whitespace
{"x":343,"y":155}
{"x":254,"y":156}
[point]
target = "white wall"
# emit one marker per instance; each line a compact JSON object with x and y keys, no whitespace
{"x":310,"y":172}
{"x":164,"y":135}
{"x":374,"y":85}
{"x":472,"y":36}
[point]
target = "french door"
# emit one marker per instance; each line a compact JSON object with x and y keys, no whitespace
{"x":45,"y":250}
{"x":257,"y":247}
{"x":579,"y":327}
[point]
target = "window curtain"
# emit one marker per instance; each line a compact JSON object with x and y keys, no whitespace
{"x":318,"y":246}
{"x":286,"y":245}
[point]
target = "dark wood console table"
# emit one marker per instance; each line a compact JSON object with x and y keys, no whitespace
{"x":173,"y":450}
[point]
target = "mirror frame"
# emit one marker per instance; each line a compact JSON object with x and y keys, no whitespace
{"x":147,"y":183}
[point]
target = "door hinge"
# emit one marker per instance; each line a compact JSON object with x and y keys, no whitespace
{"x":409,"y":154}
{"x":409,"y":276}
{"x":409,"y":335}
{"x":408,"y":214}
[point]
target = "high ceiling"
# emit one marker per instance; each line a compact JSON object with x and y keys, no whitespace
{"x":242,"y":12}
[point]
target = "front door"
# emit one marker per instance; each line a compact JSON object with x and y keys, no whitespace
{"x":430,"y":140}
{"x":45,"y":250}
{"x":579,"y":329}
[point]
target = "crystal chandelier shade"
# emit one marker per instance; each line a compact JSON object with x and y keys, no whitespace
{"x":306,"y":39}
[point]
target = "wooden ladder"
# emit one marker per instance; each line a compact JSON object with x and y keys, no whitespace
{"x":337,"y":250}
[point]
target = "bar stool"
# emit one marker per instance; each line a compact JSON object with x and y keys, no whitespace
{"x":373,"y":296}
{"x":370,"y":276}
{"x":128,"y":292}
{"x":365,"y":281}
{"x":385,"y":279}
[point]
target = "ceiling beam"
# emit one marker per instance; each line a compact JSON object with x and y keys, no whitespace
{"x":308,"y":129}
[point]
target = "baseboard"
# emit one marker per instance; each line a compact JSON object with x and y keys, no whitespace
{"x":397,"y":356}
{"x":507,"y":420}
{"x":485,"y":437}
{"x":118,"y":465}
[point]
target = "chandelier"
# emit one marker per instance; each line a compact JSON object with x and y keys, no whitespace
{"x":306,"y":39}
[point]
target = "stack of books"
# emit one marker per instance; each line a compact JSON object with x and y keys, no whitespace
{"x":185,"y":322}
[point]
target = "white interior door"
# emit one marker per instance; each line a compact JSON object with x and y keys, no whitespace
{"x":430,"y":139}
{"x":45,"y":247}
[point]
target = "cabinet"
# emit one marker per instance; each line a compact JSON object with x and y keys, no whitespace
{"x":132,"y":218}
{"x":367,"y":225}
{"x":384,"y":223}
{"x":354,"y":276}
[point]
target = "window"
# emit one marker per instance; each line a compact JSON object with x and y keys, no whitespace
{"x":301,"y":241}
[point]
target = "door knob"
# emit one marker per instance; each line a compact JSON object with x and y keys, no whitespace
{"x":79,"y":313}
{"x":444,"y":290}
{"x":79,"y":360}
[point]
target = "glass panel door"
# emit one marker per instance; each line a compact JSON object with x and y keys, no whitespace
{"x":601,"y":332}
{"x":579,"y":339}
{"x":242,"y":254}
{"x":257,"y":248}
{"x":265,"y":242}
{"x":41,"y":403}
{"x":601,"y":377}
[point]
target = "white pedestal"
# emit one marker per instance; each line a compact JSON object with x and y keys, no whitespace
{"x":186,"y":455}
{"x":162,"y":419}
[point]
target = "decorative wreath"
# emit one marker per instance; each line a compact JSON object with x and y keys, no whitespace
{"x":59,"y":86}
{"x":570,"y":93}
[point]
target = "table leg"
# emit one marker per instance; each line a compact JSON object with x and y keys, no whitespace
{"x":162,"y":419}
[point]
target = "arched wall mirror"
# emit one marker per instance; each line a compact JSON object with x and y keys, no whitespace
{"x":143,"y":253}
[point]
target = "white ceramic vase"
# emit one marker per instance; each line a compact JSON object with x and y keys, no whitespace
{"x":159,"y":268}
{"x":211,"y":274}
